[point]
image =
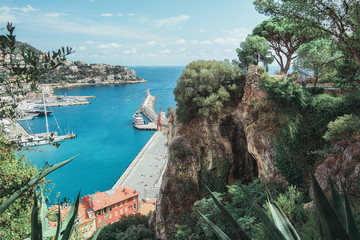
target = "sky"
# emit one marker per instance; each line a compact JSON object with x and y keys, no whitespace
{"x":136,"y":32}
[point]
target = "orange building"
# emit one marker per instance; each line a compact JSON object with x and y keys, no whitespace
{"x":117,"y":202}
{"x":93,"y":208}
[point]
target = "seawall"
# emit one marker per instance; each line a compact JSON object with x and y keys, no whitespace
{"x":145,"y":172}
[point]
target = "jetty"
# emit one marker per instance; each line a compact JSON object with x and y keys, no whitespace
{"x":145,"y":172}
{"x":147,"y":109}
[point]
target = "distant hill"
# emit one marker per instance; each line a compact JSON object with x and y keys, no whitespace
{"x":82,"y":72}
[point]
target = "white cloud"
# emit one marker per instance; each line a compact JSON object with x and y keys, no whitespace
{"x":206,"y":42}
{"x":131,"y":14}
{"x":166,"y":51}
{"x":89,"y":42}
{"x":194,"y":41}
{"x":82,"y":48}
{"x":28,"y":8}
{"x":110,"y":45}
{"x":182,"y":49}
{"x":172,"y":21}
{"x":229,"y":50}
{"x":107,"y":14}
{"x":54,"y":14}
{"x":5,"y":18}
{"x":202,"y":30}
{"x":180,"y":41}
{"x":151,"y":43}
{"x":132,"y":51}
{"x":230,"y":41}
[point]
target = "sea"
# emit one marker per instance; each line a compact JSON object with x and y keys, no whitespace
{"x":106,"y":140}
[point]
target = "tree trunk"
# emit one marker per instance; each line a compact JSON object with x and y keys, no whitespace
{"x":287,"y":66}
{"x":356,"y":57}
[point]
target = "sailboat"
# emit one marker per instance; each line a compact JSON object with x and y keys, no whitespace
{"x":38,"y":139}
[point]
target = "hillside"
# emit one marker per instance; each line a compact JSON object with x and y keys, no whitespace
{"x":78,"y":71}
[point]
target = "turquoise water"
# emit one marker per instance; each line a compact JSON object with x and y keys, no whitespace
{"x":106,"y":140}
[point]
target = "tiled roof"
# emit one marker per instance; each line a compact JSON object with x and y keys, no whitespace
{"x":104,"y":199}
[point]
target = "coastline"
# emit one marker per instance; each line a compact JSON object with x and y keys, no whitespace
{"x":79,"y":84}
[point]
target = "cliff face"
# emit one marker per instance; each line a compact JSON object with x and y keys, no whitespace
{"x":238,"y":138}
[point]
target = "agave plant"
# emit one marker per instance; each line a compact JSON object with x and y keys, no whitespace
{"x":337,"y":220}
{"x":64,"y":230}
{"x":32,"y":182}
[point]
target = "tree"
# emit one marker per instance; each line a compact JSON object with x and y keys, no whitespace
{"x":204,"y":87}
{"x":317,"y":58}
{"x":284,"y":37}
{"x":338,"y":18}
{"x":254,"y":50}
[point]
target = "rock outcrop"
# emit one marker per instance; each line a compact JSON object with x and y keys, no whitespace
{"x":239,"y":138}
{"x":344,"y":166}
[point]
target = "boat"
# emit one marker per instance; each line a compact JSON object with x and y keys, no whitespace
{"x":38,"y":139}
{"x":137,"y":119}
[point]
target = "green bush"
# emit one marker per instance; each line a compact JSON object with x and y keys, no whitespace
{"x":205,"y":87}
{"x":344,"y":128}
{"x":129,"y":227}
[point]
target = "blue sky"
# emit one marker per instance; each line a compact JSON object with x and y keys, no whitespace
{"x":134,"y":33}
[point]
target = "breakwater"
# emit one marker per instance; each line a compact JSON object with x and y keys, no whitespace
{"x":145,"y":171}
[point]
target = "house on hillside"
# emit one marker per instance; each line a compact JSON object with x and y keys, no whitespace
{"x":93,"y":209}
{"x":116,"y":202}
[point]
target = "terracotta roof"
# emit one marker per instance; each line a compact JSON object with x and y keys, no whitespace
{"x":104,"y":199}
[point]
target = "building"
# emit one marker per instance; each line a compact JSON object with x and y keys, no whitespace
{"x":116,"y":202}
{"x":93,"y":209}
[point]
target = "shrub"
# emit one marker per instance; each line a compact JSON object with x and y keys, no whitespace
{"x":344,"y":128}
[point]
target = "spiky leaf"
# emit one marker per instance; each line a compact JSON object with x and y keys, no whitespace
{"x":69,"y":222}
{"x":351,"y":225}
{"x":282,"y":222}
{"x":32,"y":182}
{"x":239,"y":231}
{"x":36,"y":227}
{"x":337,"y":203}
{"x":331,"y":224}
{"x":100,"y":228}
{"x":273,"y":230}
{"x":219,"y":233}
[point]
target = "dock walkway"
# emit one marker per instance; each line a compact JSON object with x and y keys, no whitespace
{"x":145,"y":172}
{"x":147,"y":108}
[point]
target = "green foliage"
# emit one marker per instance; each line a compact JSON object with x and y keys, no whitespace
{"x":254,"y":50}
{"x":340,"y":19}
{"x":284,"y":37}
{"x":336,"y":219}
{"x":129,"y":227}
{"x":317,"y":58}
{"x":14,"y":172}
{"x":205,"y":87}
{"x":217,"y":177}
{"x":300,"y":121}
{"x":344,"y":128}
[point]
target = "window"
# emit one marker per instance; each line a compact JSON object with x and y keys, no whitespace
{"x":134,"y":199}
{"x":125,"y":201}
{"x":116,"y":214}
{"x":134,"y":206}
{"x":110,"y":216}
{"x":99,"y":221}
{"x":121,"y":211}
{"x":115,"y":205}
{"x":120,"y":204}
{"x":126,"y":209}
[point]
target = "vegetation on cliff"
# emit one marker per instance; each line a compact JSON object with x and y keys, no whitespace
{"x":306,"y":124}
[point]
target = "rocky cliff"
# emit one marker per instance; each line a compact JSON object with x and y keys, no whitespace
{"x":236,"y":145}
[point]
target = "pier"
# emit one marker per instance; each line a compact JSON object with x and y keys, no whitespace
{"x":145,"y":172}
{"x":147,"y":108}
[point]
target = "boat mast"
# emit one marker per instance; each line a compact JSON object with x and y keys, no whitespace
{"x":46,"y":119}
